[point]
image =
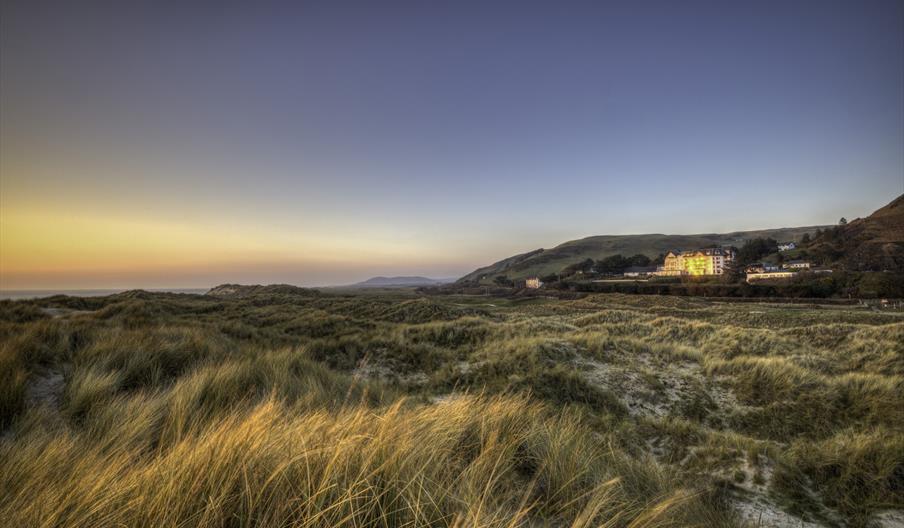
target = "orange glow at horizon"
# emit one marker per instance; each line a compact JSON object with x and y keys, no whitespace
{"x":52,"y":245}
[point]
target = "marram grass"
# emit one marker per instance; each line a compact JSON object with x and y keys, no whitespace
{"x":391,"y":410}
{"x":470,"y":461}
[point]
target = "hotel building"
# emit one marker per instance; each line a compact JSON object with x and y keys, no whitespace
{"x":709,"y":261}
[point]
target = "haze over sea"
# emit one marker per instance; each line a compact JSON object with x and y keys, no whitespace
{"x":37,"y":294}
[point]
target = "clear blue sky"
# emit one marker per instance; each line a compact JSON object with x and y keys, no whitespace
{"x":312,"y":143}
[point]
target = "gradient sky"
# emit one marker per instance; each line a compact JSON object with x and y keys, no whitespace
{"x":316,"y":143}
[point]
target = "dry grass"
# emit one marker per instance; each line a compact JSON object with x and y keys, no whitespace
{"x":195,"y":411}
{"x":857,"y":472}
{"x":472,"y":461}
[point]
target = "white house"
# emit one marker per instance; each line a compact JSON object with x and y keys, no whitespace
{"x":766,"y":275}
{"x":797,"y":264}
{"x":761,"y":267}
{"x":787,"y":246}
{"x":639,"y":271}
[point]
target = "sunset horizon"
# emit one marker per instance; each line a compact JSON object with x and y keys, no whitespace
{"x":483,"y":264}
{"x":317,"y":145}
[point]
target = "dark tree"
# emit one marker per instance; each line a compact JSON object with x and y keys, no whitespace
{"x":639,"y":260}
{"x":805,"y":239}
{"x":584,"y":266}
{"x":755,"y":249}
{"x":658,"y":261}
{"x":843,"y":221}
{"x":733,"y":271}
{"x":613,"y":264}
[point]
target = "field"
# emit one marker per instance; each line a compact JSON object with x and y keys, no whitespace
{"x":279,"y":406}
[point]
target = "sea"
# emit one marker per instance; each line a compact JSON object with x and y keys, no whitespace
{"x":37,"y":294}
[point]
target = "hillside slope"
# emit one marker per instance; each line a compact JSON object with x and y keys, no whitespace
{"x":874,"y":243}
{"x":546,"y":261}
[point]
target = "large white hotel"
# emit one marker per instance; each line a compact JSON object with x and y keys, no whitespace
{"x":709,"y":261}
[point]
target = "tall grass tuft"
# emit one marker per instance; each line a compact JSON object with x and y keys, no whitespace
{"x":856,"y":473}
{"x":471,"y":461}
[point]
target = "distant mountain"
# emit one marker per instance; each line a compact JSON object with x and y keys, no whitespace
{"x":874,"y":243}
{"x":398,"y":282}
{"x":543,"y":262}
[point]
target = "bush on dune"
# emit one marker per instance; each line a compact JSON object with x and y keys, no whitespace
{"x":857,"y":472}
{"x":793,"y":401}
{"x":20,"y":312}
{"x":12,"y":385}
{"x":467,"y":331}
{"x":146,"y":358}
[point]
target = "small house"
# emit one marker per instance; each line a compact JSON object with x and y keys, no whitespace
{"x":639,"y":271}
{"x":768,"y":275}
{"x":797,"y":265}
{"x":761,"y":267}
{"x":787,"y":246}
{"x":532,"y":283}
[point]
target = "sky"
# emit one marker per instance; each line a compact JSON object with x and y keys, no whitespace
{"x":181,"y":144}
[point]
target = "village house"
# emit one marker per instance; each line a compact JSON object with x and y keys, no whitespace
{"x":761,"y":267}
{"x":639,"y":271}
{"x":796,"y":265}
{"x":532,"y":283}
{"x":709,"y":261}
{"x":766,"y":275}
{"x":756,"y":272}
{"x":787,"y":246}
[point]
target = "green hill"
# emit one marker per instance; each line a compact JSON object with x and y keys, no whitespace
{"x":542,"y":262}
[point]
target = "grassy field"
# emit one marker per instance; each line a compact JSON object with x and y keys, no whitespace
{"x":288,"y":407}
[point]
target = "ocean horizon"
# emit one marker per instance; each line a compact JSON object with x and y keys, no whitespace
{"x":98,"y":292}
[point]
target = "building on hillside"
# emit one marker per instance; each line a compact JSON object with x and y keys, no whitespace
{"x":767,"y":275}
{"x":761,"y":267}
{"x":532,"y":283}
{"x":796,"y":265}
{"x":754,"y":268}
{"x":639,"y":271}
{"x":787,"y":246}
{"x":709,"y":261}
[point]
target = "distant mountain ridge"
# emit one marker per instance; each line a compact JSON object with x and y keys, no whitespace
{"x":397,"y":282}
{"x":542,"y":262}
